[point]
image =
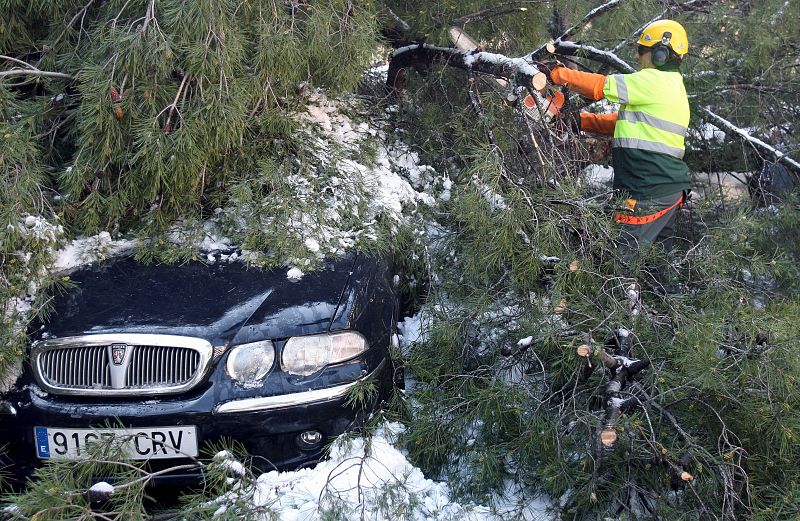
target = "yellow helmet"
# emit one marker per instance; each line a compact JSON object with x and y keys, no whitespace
{"x":668,"y":32}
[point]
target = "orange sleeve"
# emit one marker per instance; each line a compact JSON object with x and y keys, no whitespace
{"x":598,"y":123}
{"x":587,"y":84}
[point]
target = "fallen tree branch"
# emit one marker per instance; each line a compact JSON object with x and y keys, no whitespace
{"x":395,"y":29}
{"x":475,"y":99}
{"x":755,"y":87}
{"x":517,"y":70}
{"x":567,"y":48}
{"x":678,"y":472}
{"x":401,"y":24}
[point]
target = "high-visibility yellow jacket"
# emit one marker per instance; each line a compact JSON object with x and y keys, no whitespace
{"x":649,"y":129}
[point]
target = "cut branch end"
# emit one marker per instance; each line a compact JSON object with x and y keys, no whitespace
{"x":608,"y":437}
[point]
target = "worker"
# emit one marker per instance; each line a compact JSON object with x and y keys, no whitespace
{"x":648,"y":130}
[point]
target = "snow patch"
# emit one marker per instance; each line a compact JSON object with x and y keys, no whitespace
{"x":88,"y":250}
{"x":412,"y":330}
{"x":525,"y":342}
{"x":102,"y":488}
{"x":228,"y":463}
{"x":312,"y":245}
{"x":10,"y":375}
{"x":294,"y":274}
{"x":370,"y":478}
{"x":598,"y":176}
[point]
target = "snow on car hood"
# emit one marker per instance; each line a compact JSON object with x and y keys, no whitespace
{"x":213,"y":302}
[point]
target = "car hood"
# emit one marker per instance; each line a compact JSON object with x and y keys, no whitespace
{"x":225,"y":302}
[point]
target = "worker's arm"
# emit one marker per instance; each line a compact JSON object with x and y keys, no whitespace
{"x":587,"y":84}
{"x":598,"y":123}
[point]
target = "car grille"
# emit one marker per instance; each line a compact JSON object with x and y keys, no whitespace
{"x":121,"y":364}
{"x":82,"y":367}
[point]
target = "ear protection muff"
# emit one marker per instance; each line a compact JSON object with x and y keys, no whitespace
{"x":660,"y":51}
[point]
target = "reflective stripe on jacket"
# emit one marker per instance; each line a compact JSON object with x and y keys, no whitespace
{"x":654,"y":110}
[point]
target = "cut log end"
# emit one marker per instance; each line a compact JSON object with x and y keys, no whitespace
{"x":608,"y":437}
{"x":574,"y":265}
{"x":685,"y":476}
{"x":539,"y":81}
{"x":584,"y":350}
{"x":551,"y":47}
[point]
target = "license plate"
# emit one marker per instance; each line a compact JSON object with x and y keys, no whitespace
{"x":137,"y":443}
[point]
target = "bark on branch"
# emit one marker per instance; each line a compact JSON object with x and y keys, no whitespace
{"x":35,"y":72}
{"x":29,"y":70}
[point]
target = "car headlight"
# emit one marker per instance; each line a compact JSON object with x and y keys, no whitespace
{"x":305,"y":355}
{"x":250,"y":363}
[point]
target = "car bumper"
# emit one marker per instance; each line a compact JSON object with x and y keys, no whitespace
{"x":268,"y":428}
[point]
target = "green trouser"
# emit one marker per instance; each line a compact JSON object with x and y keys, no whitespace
{"x":660,"y":231}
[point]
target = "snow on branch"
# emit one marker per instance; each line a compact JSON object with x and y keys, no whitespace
{"x":518,"y":70}
{"x":566,"y":48}
{"x":728,"y":127}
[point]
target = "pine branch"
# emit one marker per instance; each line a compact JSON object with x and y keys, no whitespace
{"x":679,"y":474}
{"x":30,"y":70}
{"x":495,"y":11}
{"x":572,"y":31}
{"x":735,"y":87}
{"x":566,"y":48}
{"x":9,"y":58}
{"x":35,"y":72}
{"x":80,"y":13}
{"x":402,"y":24}
{"x":474,"y":98}
{"x":173,"y":107}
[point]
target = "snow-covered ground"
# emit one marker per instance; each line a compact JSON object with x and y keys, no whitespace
{"x":371,"y":478}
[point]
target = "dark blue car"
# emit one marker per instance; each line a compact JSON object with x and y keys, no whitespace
{"x":169,"y":358}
